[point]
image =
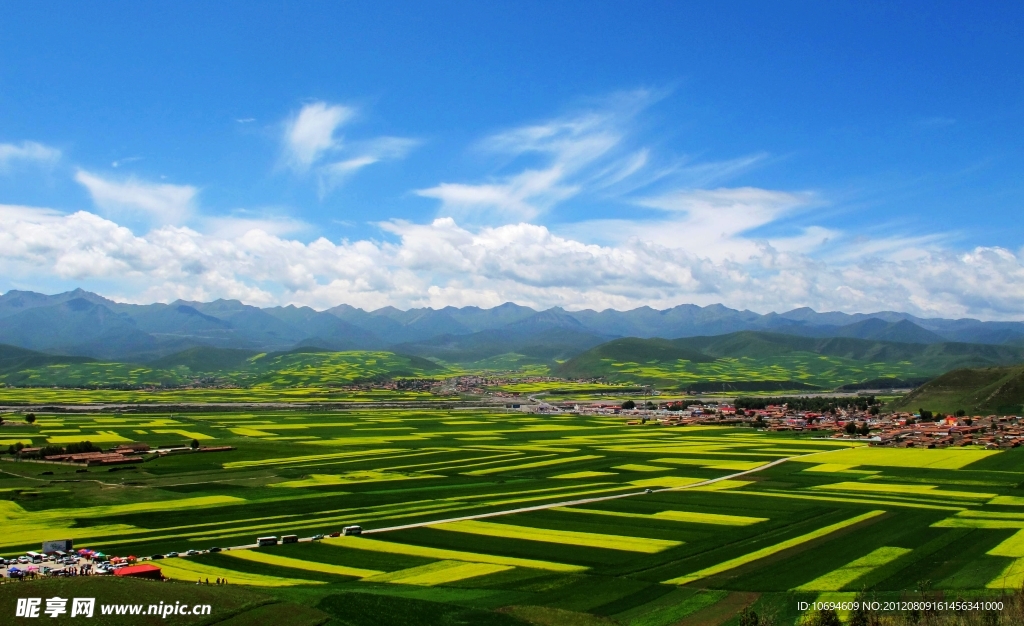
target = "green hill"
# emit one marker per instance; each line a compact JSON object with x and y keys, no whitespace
{"x":205,"y":359}
{"x":314,"y":367}
{"x":981,"y":391}
{"x":14,"y":359}
{"x":772,"y":360}
{"x":213,"y":366}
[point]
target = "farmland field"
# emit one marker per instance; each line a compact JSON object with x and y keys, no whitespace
{"x":273,"y":370}
{"x":546,"y":517}
{"x":811,"y":369}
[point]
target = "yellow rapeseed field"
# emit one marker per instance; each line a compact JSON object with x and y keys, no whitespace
{"x":569,"y":537}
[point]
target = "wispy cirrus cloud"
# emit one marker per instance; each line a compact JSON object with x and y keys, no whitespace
{"x":596,"y":152}
{"x":561,"y":152}
{"x":710,"y":222}
{"x":158,"y":203}
{"x":27,"y":151}
{"x":312,"y":142}
{"x":312,"y":132}
{"x":521,"y":197}
{"x":366,"y":153}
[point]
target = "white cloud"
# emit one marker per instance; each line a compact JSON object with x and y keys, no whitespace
{"x":592,"y":153}
{"x":568,"y":155}
{"x":27,"y":151}
{"x":520,"y":197}
{"x":710,"y":222}
{"x":366,"y":153}
{"x":312,"y":135}
{"x":443,"y":263}
{"x":312,"y":132}
{"x":232,"y":226}
{"x":118,"y":163}
{"x":160,"y":203}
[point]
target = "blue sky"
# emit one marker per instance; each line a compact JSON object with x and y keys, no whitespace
{"x":855,"y":156}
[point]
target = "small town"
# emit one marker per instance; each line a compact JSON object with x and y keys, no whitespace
{"x":905,"y":430}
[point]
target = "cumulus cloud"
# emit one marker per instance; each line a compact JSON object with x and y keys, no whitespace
{"x":30,"y":151}
{"x":236,"y":225}
{"x":160,"y":203}
{"x":443,"y":262}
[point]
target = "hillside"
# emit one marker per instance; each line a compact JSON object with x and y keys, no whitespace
{"x":205,"y":359}
{"x":540,"y":338}
{"x":981,"y":391}
{"x":14,"y":359}
{"x":309,"y":367}
{"x":745,"y":358}
{"x":304,"y":367}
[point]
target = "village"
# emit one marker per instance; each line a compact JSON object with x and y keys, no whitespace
{"x":903,"y":430}
{"x":867,"y":423}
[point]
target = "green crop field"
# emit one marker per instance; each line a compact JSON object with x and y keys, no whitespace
{"x":26,"y":395}
{"x":545,"y":517}
{"x":261,"y":371}
{"x":754,"y":361}
{"x":826,"y":372}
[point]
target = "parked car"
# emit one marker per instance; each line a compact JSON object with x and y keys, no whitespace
{"x":156,"y":556}
{"x":317,"y":537}
{"x":171,"y":555}
{"x":336,"y":534}
{"x":212,"y":550}
{"x":192,"y":552}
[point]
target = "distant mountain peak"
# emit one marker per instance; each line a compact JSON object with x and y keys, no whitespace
{"x":81,"y":322}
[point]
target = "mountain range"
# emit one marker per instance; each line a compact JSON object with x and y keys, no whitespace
{"x":81,"y":323}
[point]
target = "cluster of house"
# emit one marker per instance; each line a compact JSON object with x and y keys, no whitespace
{"x":991,"y":431}
{"x":399,"y":384}
{"x":122,"y":454}
{"x":447,"y":387}
{"x":456,"y":385}
{"x":906,"y":430}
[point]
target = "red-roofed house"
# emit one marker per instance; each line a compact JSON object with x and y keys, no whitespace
{"x":140,"y":571}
